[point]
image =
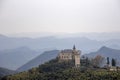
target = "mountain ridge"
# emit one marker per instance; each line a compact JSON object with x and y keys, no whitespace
{"x":84,"y":43}
{"x":106,"y":52}
{"x":42,"y":58}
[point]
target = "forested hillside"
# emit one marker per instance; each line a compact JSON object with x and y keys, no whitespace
{"x":54,"y":70}
{"x":4,"y":72}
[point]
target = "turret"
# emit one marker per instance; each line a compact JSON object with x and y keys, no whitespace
{"x":74,"y":48}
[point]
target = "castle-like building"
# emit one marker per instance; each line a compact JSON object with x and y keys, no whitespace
{"x":70,"y":54}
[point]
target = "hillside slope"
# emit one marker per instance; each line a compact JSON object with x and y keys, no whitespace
{"x":4,"y":72}
{"x":44,"y":57}
{"x":106,"y":52}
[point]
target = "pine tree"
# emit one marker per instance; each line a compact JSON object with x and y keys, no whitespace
{"x":108,"y":62}
{"x":113,"y":62}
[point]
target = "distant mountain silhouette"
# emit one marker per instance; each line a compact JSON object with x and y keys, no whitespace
{"x":14,"y":58}
{"x":51,"y":42}
{"x":44,"y":57}
{"x":4,"y":72}
{"x":106,"y":52}
{"x":2,"y":36}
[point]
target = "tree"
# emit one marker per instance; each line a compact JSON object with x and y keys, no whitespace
{"x":98,"y":60}
{"x":108,"y":62}
{"x":113,"y":62}
{"x":87,"y":62}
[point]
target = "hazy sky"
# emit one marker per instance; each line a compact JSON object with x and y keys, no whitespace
{"x":68,"y":16}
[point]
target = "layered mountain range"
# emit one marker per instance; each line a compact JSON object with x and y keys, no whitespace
{"x":51,"y":42}
{"x":22,"y":54}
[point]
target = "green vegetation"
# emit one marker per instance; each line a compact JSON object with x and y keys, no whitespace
{"x":4,"y":71}
{"x":113,"y":62}
{"x":54,"y":70}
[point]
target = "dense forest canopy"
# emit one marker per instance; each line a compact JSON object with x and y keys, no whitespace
{"x":54,"y":70}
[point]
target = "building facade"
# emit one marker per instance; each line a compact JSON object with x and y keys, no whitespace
{"x":70,"y":54}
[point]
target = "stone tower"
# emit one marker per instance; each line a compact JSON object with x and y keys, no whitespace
{"x":76,"y":57}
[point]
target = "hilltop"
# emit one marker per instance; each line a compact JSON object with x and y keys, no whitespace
{"x":54,"y":70}
{"x":106,"y":52}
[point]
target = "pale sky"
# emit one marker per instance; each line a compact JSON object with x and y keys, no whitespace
{"x":59,"y":16}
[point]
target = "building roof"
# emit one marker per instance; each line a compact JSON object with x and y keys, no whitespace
{"x":67,"y":51}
